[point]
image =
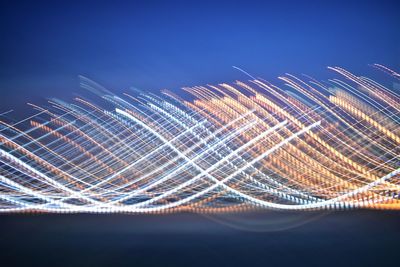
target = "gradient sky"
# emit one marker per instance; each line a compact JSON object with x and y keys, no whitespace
{"x":154,"y":45}
{"x":168,"y":44}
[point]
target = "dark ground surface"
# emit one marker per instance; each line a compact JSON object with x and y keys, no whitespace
{"x":355,"y":238}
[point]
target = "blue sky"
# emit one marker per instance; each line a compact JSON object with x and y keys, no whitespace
{"x":154,"y":45}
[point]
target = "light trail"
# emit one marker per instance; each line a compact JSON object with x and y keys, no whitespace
{"x":248,"y":145}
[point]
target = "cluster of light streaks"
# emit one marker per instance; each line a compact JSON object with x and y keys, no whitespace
{"x":234,"y":147}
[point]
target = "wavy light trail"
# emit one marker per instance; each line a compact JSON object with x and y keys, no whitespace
{"x":235,"y":147}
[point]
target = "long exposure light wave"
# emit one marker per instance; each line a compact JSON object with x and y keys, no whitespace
{"x":234,"y":147}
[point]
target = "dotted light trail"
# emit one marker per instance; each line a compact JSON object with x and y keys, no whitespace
{"x":305,"y":145}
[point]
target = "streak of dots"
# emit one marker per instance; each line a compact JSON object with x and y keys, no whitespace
{"x":248,"y":145}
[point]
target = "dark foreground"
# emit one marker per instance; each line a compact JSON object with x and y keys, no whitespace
{"x":360,"y":238}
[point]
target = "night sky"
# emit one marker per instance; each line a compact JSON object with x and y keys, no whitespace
{"x":152,"y":45}
{"x":155,"y":45}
